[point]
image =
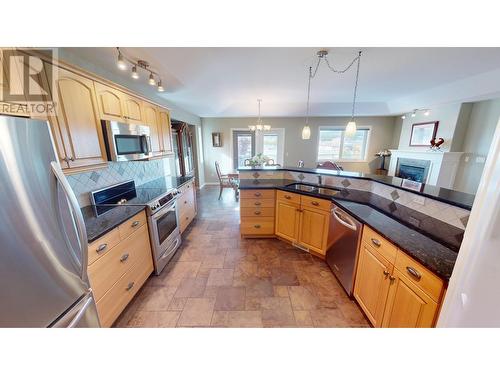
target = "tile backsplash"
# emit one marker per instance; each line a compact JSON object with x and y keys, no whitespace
{"x":116,"y":172}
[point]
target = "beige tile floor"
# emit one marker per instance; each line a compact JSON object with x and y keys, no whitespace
{"x":218,"y":279}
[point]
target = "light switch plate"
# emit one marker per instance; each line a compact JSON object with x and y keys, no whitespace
{"x":480,"y":159}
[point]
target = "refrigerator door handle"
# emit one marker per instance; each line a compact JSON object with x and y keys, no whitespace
{"x":81,"y":313}
{"x":77,"y":214}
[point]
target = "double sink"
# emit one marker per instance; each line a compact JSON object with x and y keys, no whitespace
{"x":314,"y":189}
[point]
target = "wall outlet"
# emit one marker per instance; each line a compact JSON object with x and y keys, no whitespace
{"x":419,"y":200}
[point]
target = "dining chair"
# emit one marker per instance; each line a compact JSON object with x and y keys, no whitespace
{"x":227,"y":181}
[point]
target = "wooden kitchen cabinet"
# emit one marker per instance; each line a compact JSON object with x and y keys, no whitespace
{"x":133,"y":109}
{"x":152,"y":119}
{"x":313,"y":232}
{"x":165,"y":128}
{"x":110,"y":103}
{"x":372,"y":283}
{"x":187,"y":205}
{"x":77,"y":120}
{"x":287,"y":220}
{"x":257,"y":212}
{"x":407,"y":305}
{"x":393,"y":289}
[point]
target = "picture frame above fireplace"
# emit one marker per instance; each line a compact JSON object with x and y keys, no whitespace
{"x":422,"y":133}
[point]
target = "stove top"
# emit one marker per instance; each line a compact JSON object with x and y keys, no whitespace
{"x":154,"y":194}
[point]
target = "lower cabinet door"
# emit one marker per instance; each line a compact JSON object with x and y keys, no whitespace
{"x":313,"y":230}
{"x":287,"y":220}
{"x":372,"y":283}
{"x":407,"y":305}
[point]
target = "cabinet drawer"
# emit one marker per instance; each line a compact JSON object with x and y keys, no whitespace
{"x":185,"y":218}
{"x":256,"y":203}
{"x":289,"y":197}
{"x":114,"y":301}
{"x":322,"y":204}
{"x":419,"y":275}
{"x":132,"y":224}
{"x":103,"y":245}
{"x":257,"y":212}
{"x":376,"y":241}
{"x":260,"y":194}
{"x":104,"y":272}
{"x":185,"y":187}
{"x":264,"y":225}
{"x":186,"y":201}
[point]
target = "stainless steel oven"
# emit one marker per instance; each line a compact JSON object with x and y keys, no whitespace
{"x":165,"y":234}
{"x":126,"y":141}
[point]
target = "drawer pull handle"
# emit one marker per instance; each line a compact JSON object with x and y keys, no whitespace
{"x":386,"y":273}
{"x":135,"y":223}
{"x":257,"y":226}
{"x":130,"y":286}
{"x":314,"y":203}
{"x":392,"y":278}
{"x":288,"y":197}
{"x":257,"y":194}
{"x":124,"y":257}
{"x":413,"y":272}
{"x":376,"y":242}
{"x":257,"y":203}
{"x":257,"y":212}
{"x":101,"y":247}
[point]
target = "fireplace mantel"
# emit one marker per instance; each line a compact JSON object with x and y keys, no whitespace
{"x":442,"y":170}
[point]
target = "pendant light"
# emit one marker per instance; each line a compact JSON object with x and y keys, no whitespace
{"x":259,"y":126}
{"x":306,"y":130}
{"x":121,"y":61}
{"x":350,"y":129}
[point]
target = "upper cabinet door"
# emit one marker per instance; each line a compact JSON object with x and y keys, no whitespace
{"x":110,"y":103}
{"x":133,"y":109}
{"x":166,"y":131}
{"x":151,"y":118}
{"x":78,"y":118}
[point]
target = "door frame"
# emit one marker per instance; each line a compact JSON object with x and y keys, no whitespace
{"x":231,"y":145}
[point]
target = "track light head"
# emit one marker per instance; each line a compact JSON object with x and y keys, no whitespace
{"x":135,"y":75}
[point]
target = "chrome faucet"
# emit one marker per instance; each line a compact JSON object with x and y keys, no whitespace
{"x":320,"y":179}
{"x":301,"y":164}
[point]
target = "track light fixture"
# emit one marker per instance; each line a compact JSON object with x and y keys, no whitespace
{"x":425,"y":112}
{"x":123,"y":62}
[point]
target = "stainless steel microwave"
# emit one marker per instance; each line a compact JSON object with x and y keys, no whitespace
{"x":126,"y":141}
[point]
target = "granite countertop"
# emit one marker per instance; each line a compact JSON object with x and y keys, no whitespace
{"x":453,"y":197}
{"x":435,"y":255}
{"x":98,"y":226}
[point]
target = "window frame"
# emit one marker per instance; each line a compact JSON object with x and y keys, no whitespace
{"x":366,"y":145}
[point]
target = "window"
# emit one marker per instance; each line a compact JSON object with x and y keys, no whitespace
{"x":270,"y":146}
{"x":335,"y":145}
{"x":243,"y":146}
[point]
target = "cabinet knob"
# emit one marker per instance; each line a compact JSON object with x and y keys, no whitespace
{"x":413,"y":272}
{"x":257,"y":226}
{"x":130,"y":286}
{"x":257,"y":194}
{"x":386,"y":273}
{"x":392,"y":278}
{"x":257,"y":212}
{"x":101,"y":247}
{"x":72,"y":158}
{"x":376,"y":242}
{"x":257,"y":203}
{"x":124,"y":257}
{"x":288,"y":197}
{"x":314,"y":203}
{"x":135,"y":223}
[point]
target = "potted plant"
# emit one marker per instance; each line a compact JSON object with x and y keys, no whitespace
{"x":258,"y":160}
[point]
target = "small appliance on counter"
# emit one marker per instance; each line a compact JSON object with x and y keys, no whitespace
{"x":159,"y":198}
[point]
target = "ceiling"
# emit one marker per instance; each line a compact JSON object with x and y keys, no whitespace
{"x":226,"y":82}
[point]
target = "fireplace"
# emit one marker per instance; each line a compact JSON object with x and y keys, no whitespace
{"x":413,"y":169}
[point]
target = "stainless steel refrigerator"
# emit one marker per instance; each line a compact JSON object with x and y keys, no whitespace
{"x":43,"y":241}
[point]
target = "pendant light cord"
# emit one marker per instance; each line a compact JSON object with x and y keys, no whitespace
{"x":355,"y":85}
{"x":309,"y":91}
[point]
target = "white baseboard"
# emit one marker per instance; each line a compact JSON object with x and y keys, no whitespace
{"x":209,"y":183}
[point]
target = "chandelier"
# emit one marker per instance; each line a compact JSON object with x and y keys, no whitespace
{"x":259,"y":126}
{"x":122,"y":63}
{"x":322,"y":55}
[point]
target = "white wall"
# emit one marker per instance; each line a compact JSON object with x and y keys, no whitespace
{"x":296,"y":148}
{"x":476,"y":143}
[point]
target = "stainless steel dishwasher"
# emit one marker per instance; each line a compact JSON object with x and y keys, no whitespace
{"x":342,"y":255}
